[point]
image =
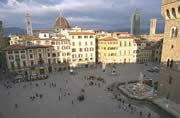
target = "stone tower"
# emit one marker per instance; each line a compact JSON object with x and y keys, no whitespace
{"x":169,"y":83}
{"x":152,"y":26}
{"x":135,"y":23}
{"x":28,"y":24}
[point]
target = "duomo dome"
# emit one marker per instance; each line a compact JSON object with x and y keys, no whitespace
{"x":61,"y":23}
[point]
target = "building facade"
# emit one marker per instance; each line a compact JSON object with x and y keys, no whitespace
{"x":121,"y":48}
{"x":127,"y":49}
{"x":155,"y":41}
{"x":15,"y":40}
{"x":108,"y":50}
{"x":28,"y":61}
{"x":83,"y":48}
{"x":170,"y":61}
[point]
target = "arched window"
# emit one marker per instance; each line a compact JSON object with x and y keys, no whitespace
{"x":168,"y":63}
{"x":124,"y":60}
{"x":171,"y":64}
{"x":178,"y":9}
{"x":168,"y":14}
{"x":125,"y":43}
{"x":28,"y":22}
{"x":174,"y":12}
{"x":174,"y":32}
{"x":28,"y":43}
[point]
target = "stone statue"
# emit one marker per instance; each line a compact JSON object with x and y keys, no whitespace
{"x":140,"y":83}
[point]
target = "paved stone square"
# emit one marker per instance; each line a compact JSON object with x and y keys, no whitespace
{"x":59,"y":95}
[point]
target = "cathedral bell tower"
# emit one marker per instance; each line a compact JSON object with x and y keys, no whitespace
{"x":28,"y":24}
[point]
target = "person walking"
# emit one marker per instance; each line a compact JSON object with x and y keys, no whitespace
{"x":149,"y":115}
{"x":140,"y":113}
{"x":16,"y":106}
{"x":59,"y":98}
{"x":72,"y":102}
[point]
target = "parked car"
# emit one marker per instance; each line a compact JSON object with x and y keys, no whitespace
{"x":150,"y":70}
{"x":154,"y":69}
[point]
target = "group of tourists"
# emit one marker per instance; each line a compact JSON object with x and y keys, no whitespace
{"x":36,"y":96}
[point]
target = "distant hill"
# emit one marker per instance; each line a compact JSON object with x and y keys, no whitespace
{"x":20,"y":31}
{"x":13,"y":30}
{"x":143,"y":31}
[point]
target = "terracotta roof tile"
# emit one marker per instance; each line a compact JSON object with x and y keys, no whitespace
{"x":108,"y":39}
{"x":61,"y":22}
{"x":120,"y":33}
{"x":81,"y":33}
{"x":125,"y":37}
{"x":22,"y":47}
{"x":44,"y":31}
{"x":95,"y":30}
{"x":31,"y":39}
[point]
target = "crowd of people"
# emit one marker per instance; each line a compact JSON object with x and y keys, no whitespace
{"x":64,"y":91}
{"x":126,"y":106}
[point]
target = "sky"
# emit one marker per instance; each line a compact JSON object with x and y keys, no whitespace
{"x":101,"y":14}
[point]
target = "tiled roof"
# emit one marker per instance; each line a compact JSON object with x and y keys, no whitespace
{"x":33,"y":39}
{"x":81,"y":33}
{"x":137,"y":41}
{"x":101,"y":34}
{"x":44,"y":31}
{"x":95,"y":29}
{"x":61,"y":22}
{"x":108,"y":39}
{"x":22,"y":47}
{"x":125,"y":37}
{"x":120,"y":32}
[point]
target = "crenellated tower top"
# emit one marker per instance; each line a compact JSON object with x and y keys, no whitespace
{"x":170,"y":9}
{"x":164,"y":2}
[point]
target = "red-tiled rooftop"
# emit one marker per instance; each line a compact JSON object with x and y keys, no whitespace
{"x":125,"y":37}
{"x":95,"y":30}
{"x":22,"y":47}
{"x":81,"y":33}
{"x":120,"y":33}
{"x":136,"y":41}
{"x":44,"y":31}
{"x":108,"y":39}
{"x":31,"y":39}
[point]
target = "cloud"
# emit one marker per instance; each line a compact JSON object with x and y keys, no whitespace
{"x":81,"y":19}
{"x":101,"y":13}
